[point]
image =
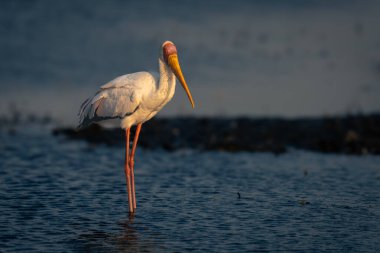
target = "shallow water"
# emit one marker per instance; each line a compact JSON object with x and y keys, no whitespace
{"x":66,"y":196}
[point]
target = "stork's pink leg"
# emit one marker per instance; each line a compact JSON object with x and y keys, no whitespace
{"x":132,"y":163}
{"x":127,"y":170}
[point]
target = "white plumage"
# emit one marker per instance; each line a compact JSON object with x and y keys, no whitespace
{"x":124,"y":96}
{"x":135,"y":98}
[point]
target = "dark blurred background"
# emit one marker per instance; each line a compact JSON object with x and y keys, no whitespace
{"x":285,"y":58}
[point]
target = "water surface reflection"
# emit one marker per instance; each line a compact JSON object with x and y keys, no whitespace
{"x":58,"y":196}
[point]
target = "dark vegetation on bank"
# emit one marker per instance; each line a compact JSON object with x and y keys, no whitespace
{"x":359,"y":134}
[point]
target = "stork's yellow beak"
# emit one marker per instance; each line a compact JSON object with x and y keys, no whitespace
{"x":174,"y":65}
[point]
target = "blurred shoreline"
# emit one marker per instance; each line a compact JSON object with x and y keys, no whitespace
{"x":351,"y":134}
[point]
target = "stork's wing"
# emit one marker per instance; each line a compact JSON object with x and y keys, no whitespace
{"x":139,"y":79}
{"x":117,"y":99}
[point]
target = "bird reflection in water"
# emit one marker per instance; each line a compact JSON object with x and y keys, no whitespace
{"x":129,"y":236}
{"x":126,"y":240}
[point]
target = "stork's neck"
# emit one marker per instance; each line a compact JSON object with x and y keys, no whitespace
{"x":166,"y":85}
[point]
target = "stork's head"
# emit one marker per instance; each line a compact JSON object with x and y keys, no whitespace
{"x":170,"y":57}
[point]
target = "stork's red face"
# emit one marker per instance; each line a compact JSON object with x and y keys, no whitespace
{"x":168,"y":48}
{"x":169,"y":53}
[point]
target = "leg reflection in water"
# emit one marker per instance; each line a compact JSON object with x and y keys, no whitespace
{"x":128,"y":236}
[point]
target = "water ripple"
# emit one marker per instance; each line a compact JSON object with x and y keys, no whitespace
{"x":67,"y":196}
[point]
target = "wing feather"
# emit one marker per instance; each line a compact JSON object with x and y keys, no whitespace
{"x":127,"y":80}
{"x":117,"y":99}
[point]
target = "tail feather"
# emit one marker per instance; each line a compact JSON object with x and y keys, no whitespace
{"x":88,"y":112}
{"x":83,"y":106}
{"x":84,"y":119}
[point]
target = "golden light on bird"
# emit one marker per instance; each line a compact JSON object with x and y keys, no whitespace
{"x":130,"y":98}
